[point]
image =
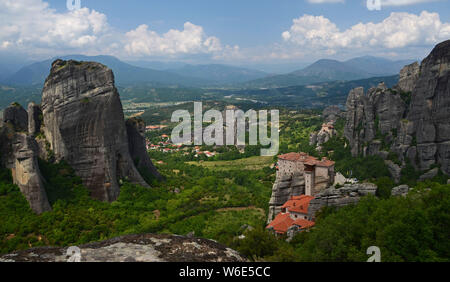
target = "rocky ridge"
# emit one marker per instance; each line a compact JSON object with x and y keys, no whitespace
{"x":410,"y":120}
{"x":332,"y":197}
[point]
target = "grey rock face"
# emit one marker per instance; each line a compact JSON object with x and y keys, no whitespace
{"x":283,"y":189}
{"x":17,"y":116}
{"x":85,"y":126}
{"x":394,"y":169}
{"x":430,"y":109}
{"x":135,"y":248}
{"x":332,"y":113}
{"x":408,"y":77}
{"x":412,"y":119}
{"x":429,"y":174}
{"x":26,"y":173}
{"x":34,"y":119}
{"x":401,"y":190}
{"x":137,"y":147}
{"x":347,"y":195}
{"x":19,"y":152}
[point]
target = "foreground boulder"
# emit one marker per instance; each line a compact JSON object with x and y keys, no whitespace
{"x":135,"y":248}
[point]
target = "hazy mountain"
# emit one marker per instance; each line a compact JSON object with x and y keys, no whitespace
{"x":326,"y":70}
{"x":219,"y":73}
{"x":314,"y":95}
{"x":157,"y":65}
{"x":124,"y":73}
{"x":378,"y":66}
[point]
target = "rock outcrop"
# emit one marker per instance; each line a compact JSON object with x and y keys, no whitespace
{"x":283,"y":189}
{"x":332,"y":197}
{"x":332,"y":113}
{"x":19,"y":152}
{"x":137,"y":147}
{"x":80,"y":121}
{"x":408,"y":77}
{"x":401,"y":190}
{"x":324,"y":135}
{"x":134,"y":248}
{"x":410,"y":120}
{"x":84,"y":124}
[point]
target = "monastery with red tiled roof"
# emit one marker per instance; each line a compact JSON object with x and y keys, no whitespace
{"x":293,"y":216}
{"x":318,"y":173}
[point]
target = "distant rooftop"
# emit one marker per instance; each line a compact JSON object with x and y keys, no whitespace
{"x":307,"y":159}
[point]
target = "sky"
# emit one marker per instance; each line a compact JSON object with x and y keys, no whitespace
{"x":239,"y":32}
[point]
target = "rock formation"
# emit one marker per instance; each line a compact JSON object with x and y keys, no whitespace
{"x":283,"y":189}
{"x":80,"y":121}
{"x":411,"y":120}
{"x":19,"y":152}
{"x":135,"y":248}
{"x":84,"y":124}
{"x":408,"y":77}
{"x":332,"y":113}
{"x":401,"y":190}
{"x":332,"y":197}
{"x":326,"y":133}
{"x":137,"y":147}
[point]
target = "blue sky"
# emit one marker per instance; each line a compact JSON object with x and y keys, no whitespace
{"x":225,"y":31}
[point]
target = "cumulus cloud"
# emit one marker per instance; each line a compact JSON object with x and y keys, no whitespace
{"x":403,"y":2}
{"x":33,"y":28}
{"x":396,"y":31}
{"x":191,"y":40}
{"x":32,"y":25}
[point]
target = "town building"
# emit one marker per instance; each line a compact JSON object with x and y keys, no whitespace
{"x":293,"y":217}
{"x":317,"y":174}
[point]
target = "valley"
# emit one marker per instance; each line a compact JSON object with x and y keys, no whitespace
{"x":102,"y":164}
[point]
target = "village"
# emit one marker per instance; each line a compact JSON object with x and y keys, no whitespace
{"x":165,"y":144}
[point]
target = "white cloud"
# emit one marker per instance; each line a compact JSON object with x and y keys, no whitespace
{"x":404,"y":2}
{"x":191,"y":40}
{"x":30,"y":25}
{"x":399,"y":30}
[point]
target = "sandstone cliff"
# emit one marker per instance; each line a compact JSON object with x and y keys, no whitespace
{"x":411,"y":120}
{"x":135,"y":248}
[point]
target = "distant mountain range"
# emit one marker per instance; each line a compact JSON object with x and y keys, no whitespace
{"x":331,"y":70}
{"x":220,"y":73}
{"x":126,"y":73}
{"x":167,"y":74}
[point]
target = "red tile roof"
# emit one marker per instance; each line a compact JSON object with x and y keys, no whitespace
{"x":298,"y":204}
{"x":307,"y":159}
{"x":281,"y":223}
{"x":303,"y":223}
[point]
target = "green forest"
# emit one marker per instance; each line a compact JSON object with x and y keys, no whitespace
{"x":227,"y":196}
